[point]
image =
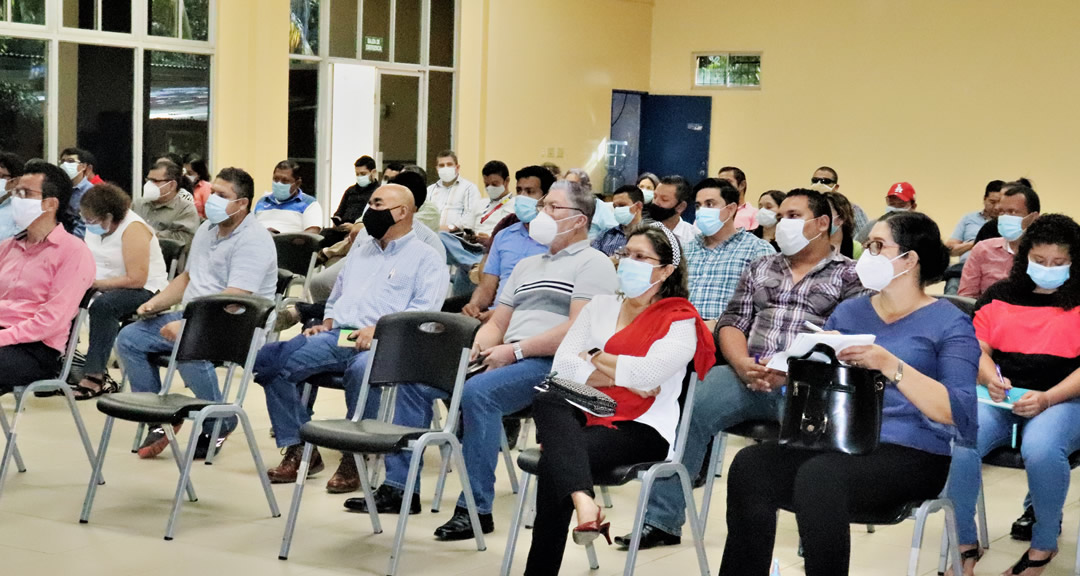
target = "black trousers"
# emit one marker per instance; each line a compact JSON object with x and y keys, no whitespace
{"x":572,"y":453}
{"x":23,"y":364}
{"x":823,"y":489}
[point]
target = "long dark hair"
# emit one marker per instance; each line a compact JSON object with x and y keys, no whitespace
{"x":675,"y":285}
{"x":916,"y":232}
{"x":1056,"y":229}
{"x":844,"y":210}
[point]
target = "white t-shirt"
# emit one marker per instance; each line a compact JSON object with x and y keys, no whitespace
{"x":109,"y":255}
{"x":291,"y":216}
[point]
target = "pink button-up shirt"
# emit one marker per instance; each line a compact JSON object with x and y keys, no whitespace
{"x":41,"y":286}
{"x":746,"y":217}
{"x":989,"y":261}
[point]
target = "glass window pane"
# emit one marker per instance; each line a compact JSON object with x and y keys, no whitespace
{"x":744,"y":70}
{"x":711,"y":70}
{"x":343,"y":28}
{"x":303,"y":118}
{"x":440,"y":114}
{"x":196,"y":23}
{"x":399,"y":109}
{"x":79,"y":14}
{"x":29,"y":11}
{"x":441,"y":30}
{"x":177,"y":105}
{"x":407,"y":32}
{"x":376,"y":35}
{"x":162,"y":18}
{"x":116,"y":16}
{"x":22,"y":96}
{"x":304,"y":27}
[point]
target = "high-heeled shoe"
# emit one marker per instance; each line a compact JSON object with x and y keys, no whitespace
{"x":586,"y":532}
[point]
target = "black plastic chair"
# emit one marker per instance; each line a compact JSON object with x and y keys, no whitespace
{"x":756,"y":430}
{"x":409,"y":348}
{"x":173,"y":251}
{"x":297,"y":253}
{"x":225,"y":329}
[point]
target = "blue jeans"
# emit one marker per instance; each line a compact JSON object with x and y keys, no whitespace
{"x":485,"y":400}
{"x":136,"y":342}
{"x":1048,"y":439}
{"x":317,"y":354}
{"x":720,"y":402}
{"x":462,"y":260}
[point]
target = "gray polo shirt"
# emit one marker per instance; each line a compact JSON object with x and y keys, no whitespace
{"x":176,"y":219}
{"x":245,"y":259}
{"x":541,"y":288}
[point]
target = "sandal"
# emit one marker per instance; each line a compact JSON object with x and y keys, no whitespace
{"x":106,"y":385}
{"x":1026,"y":562}
{"x":975,"y":554}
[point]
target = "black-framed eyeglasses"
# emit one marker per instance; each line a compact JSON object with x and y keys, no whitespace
{"x":874,"y":246}
{"x":825,"y":181}
{"x":624,"y":253}
{"x":541,"y":207}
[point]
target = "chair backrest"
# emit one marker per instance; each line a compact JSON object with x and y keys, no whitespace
{"x":965,"y":304}
{"x":686,"y":410}
{"x":171,"y":251}
{"x":220,"y":328}
{"x":285,"y":279}
{"x":294,"y":251}
{"x":421,"y":348}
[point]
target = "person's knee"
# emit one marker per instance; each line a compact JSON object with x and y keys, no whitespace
{"x":1038,"y":453}
{"x":818,"y":487}
{"x":128,"y":341}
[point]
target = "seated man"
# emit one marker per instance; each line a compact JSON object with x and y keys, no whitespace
{"x":287,"y":209}
{"x":391,"y":171}
{"x":746,"y":217}
{"x":465,"y":245}
{"x":230,"y":254}
{"x":389,"y":270}
{"x":511,"y":243}
{"x":78,"y":164}
{"x":671,"y":199}
{"x":11,"y":167}
{"x":544,"y":295}
{"x":774,"y":296}
{"x":992,"y":259}
{"x":825,"y":179}
{"x":172,"y":216}
{"x":967,"y":230}
{"x":899,"y":198}
{"x":44,"y":273}
{"x":353,"y":202}
{"x":629,"y":202}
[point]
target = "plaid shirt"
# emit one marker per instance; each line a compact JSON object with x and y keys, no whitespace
{"x":714,"y":272}
{"x":609,"y":241}
{"x":771,"y":310}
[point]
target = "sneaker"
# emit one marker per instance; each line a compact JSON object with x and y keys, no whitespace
{"x":203,"y":446}
{"x":156,"y":441}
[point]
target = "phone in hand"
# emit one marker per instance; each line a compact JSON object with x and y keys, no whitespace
{"x":475,"y":367}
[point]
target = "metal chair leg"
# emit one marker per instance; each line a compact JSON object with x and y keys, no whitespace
{"x":138,"y":437}
{"x":466,"y":489}
{"x":10,"y":448}
{"x":294,"y":508}
{"x":369,"y":494}
{"x":943,"y":553}
{"x":260,"y":467}
{"x":530,"y":517}
{"x":7,"y":436}
{"x":508,"y":460}
{"x":635,"y":534}
{"x":605,"y":497}
{"x":95,"y":476}
{"x":174,"y":448}
{"x":697,"y":530}
{"x":722,"y":445}
{"x":523,"y":435}
{"x":79,"y":425}
{"x":590,"y":555}
{"x":406,"y":502}
{"x":515,"y":523}
{"x":211,"y":450}
{"x":444,"y":469}
{"x":185,"y":475}
{"x":719,"y":445}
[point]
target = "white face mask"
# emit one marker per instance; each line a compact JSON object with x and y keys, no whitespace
{"x":151,"y":192}
{"x":789,"y":235}
{"x":495,"y":191}
{"x":448,"y":174}
{"x":25,"y":211}
{"x":766,"y":217}
{"x":3,"y":186}
{"x":891,"y":209}
{"x":876,"y":272}
{"x":545,"y":229}
{"x":71,"y":169}
{"x":363,"y":180}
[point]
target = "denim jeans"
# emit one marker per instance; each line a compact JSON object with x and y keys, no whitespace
{"x":487,"y":397}
{"x":317,"y":354}
{"x":462,"y":260}
{"x":1047,"y":441}
{"x":106,"y":313}
{"x":720,"y":402}
{"x":138,"y":341}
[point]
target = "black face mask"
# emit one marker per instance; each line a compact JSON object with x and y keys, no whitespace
{"x":377,"y":222}
{"x":659,"y":213}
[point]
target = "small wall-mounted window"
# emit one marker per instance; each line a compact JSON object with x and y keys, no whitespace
{"x":727,"y":70}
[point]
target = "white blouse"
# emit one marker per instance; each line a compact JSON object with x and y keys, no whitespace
{"x":664,"y":365}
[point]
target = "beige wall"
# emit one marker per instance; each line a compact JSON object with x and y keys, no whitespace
{"x":538,"y":74}
{"x":946,"y":95}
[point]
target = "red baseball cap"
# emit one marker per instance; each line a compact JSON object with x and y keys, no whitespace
{"x":903,"y":191}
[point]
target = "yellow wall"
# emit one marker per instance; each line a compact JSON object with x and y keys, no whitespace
{"x":946,"y":95}
{"x":251,"y":87}
{"x":538,"y":74}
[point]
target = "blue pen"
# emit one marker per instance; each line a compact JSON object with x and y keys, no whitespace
{"x":1002,"y":380}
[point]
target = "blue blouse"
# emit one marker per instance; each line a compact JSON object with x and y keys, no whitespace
{"x":937,"y":340}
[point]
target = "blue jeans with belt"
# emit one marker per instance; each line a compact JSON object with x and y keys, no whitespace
{"x":462,"y":260}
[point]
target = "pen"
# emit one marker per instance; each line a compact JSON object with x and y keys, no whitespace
{"x":757,"y":358}
{"x":813,"y":327}
{"x":1002,"y":380}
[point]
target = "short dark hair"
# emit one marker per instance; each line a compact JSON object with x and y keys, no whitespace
{"x":447,"y":154}
{"x":1031,"y":198}
{"x":365,"y":162}
{"x":242,"y":182}
{"x":819,"y":204}
{"x":553,"y":168}
{"x":291,"y":165}
{"x":835,"y":176}
{"x":777,"y":196}
{"x":12,"y":163}
{"x":916,"y":232}
{"x":496,"y":167}
{"x":173,"y":172}
{"x":539,"y":172}
{"x":843,"y":210}
{"x":415,"y":183}
{"x":171,"y":157}
{"x":740,"y":176}
{"x":415,"y":170}
{"x":106,"y":200}
{"x":1050,"y":229}
{"x":729,"y":193}
{"x":395,"y":166}
{"x":55,"y":184}
{"x":633,"y":192}
{"x":683,"y":192}
{"x":675,"y":285}
{"x":993,"y":186}
{"x":85,"y":156}
{"x":198,"y":165}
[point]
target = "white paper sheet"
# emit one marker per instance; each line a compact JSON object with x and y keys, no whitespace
{"x":805,"y":342}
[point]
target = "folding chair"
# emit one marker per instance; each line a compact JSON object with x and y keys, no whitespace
{"x":174,"y":252}
{"x":756,"y":430}
{"x":222,"y":328}
{"x":297,"y":253}
{"x":11,"y":450}
{"x":647,"y":473}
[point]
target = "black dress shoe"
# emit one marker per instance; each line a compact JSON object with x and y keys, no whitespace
{"x":459,"y":527}
{"x":651,"y":537}
{"x":1021,"y":529}
{"x":387,"y":501}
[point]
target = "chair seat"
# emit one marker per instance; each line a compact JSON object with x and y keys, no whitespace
{"x":884,"y":517}
{"x":365,"y":436}
{"x":529,"y":461}
{"x":1008,"y":457}
{"x":328,"y":380}
{"x":759,"y":430}
{"x":150,"y":407}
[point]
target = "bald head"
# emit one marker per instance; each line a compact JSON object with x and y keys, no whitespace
{"x":392,"y":196}
{"x":397,"y":202}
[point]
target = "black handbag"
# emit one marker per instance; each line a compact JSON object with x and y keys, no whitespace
{"x":583,"y":396}
{"x":830,"y":406}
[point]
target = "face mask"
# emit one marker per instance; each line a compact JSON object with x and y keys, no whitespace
{"x":525,"y":208}
{"x":876,"y":272}
{"x":217,"y":209}
{"x":789,"y":235}
{"x":71,"y":169}
{"x":891,"y":209}
{"x":648,"y":194}
{"x":447,"y":174}
{"x":193,"y":178}
{"x":281,"y":191}
{"x":363,"y":181}
{"x":97,"y":229}
{"x":821,"y":187}
{"x":708,"y":221}
{"x":378,"y":222}
{"x":1048,"y":277}
{"x":659,"y":213}
{"x":635,"y":278}
{"x":623,"y":215}
{"x":495,"y":191}
{"x":151,"y":192}
{"x":545,"y":229}
{"x":832,"y":229}
{"x":3,"y":185}
{"x":25,"y":211}
{"x":766,"y":217}
{"x":1010,"y":227}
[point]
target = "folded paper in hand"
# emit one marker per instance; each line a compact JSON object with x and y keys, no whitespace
{"x":805,"y":342}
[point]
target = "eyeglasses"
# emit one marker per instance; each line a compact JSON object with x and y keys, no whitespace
{"x":157,"y":181}
{"x":874,"y":246}
{"x":540,"y":206}
{"x":25,"y":193}
{"x":825,"y":181}
{"x":624,"y":253}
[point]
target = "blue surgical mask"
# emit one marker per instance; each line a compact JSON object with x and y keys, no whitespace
{"x":635,"y":278}
{"x":217,"y":209}
{"x":525,"y":208}
{"x":833,"y":229}
{"x":1048,"y":277}
{"x":281,"y":191}
{"x":1010,"y":227}
{"x":96,"y":229}
{"x":623,"y":215}
{"x":648,"y":194}
{"x":708,"y":221}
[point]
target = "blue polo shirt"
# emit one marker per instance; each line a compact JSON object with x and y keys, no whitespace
{"x":291,"y":216}
{"x":510,"y":246}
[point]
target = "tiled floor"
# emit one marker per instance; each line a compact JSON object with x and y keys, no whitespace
{"x":229,"y":529}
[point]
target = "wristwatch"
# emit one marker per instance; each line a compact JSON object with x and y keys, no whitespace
{"x":594,"y":353}
{"x":899,"y":372}
{"x":518,"y":354}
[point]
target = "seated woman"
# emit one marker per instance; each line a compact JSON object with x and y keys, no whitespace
{"x":927,"y":350}
{"x":198,"y":175}
{"x":768,"y":205}
{"x":843,"y":226}
{"x":635,"y":346}
{"x":130,"y":269}
{"x":1029,"y":328}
